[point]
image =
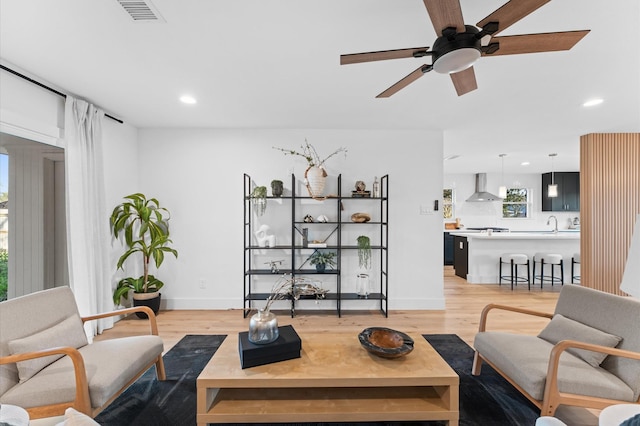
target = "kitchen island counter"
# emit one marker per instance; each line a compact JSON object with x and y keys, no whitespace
{"x":483,"y":250}
{"x":521,"y":235}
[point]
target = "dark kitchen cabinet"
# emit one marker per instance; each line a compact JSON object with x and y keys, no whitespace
{"x":448,"y":248}
{"x":461,"y":256}
{"x":568,"y":199}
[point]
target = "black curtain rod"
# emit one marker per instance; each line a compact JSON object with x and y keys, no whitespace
{"x":37,"y":83}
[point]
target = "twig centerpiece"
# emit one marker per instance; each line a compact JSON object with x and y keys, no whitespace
{"x":315,"y":174}
{"x":263,"y":325}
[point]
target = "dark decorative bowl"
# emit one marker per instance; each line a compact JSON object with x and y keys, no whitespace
{"x":385,"y":342}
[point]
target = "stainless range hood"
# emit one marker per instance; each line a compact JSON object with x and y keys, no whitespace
{"x":481,"y":193}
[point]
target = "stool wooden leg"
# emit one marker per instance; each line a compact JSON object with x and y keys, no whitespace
{"x":528,"y":276}
{"x":500,"y":272}
{"x":562,"y":272}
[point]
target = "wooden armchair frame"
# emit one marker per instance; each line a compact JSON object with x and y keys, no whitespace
{"x":82,"y":401}
{"x":552,"y":396}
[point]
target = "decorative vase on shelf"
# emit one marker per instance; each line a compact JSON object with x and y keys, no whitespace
{"x":263,"y":327}
{"x":277,"y":188}
{"x":315,"y":178}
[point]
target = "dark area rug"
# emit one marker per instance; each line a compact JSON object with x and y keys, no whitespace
{"x":487,"y":399}
{"x":171,"y":402}
{"x":484,"y":400}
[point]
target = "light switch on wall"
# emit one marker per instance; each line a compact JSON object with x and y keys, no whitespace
{"x":426,"y":209}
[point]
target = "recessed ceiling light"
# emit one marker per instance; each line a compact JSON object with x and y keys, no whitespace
{"x":593,"y":102}
{"x":525,"y":163}
{"x":186,"y":99}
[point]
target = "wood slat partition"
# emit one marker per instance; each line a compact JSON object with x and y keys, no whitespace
{"x":609,"y":203}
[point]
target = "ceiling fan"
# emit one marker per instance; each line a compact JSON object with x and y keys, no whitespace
{"x":458,"y":45}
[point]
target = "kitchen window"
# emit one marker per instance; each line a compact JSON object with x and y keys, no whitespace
{"x":447,"y":203}
{"x":516,"y":204}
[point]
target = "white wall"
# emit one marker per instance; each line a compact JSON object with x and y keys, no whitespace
{"x":198,"y":175}
{"x":473,"y":214}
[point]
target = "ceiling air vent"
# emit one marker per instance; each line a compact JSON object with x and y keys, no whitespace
{"x":141,"y":11}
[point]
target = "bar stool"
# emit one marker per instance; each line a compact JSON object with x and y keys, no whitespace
{"x":514,"y":259}
{"x":552,"y":259}
{"x":575,"y":260}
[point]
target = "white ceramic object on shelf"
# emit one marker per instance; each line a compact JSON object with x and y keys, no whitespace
{"x":315,"y":178}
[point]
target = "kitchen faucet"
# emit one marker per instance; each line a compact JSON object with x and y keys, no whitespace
{"x":555,"y":229}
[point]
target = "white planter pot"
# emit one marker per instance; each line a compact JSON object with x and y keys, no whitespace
{"x":315,"y":178}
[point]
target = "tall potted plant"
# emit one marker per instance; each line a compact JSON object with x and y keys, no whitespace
{"x":144,"y":226}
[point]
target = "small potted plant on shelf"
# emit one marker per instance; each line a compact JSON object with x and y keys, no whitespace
{"x":322,"y":259}
{"x":315,"y":175}
{"x":259,"y":199}
{"x":144,"y":226}
{"x":364,"y":252}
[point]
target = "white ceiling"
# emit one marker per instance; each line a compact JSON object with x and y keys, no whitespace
{"x":275,"y":64}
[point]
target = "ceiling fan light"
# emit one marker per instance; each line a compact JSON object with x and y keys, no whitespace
{"x":552,"y":191}
{"x":456,"y":60}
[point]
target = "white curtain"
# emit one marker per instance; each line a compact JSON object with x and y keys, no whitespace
{"x":87,"y":215}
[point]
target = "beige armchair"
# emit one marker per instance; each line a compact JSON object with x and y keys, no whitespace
{"x":47,"y":365}
{"x":588,"y":355}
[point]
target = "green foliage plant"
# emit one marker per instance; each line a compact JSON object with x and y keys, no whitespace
{"x":144,"y":226}
{"x":364,"y":252}
{"x":323,"y":258}
{"x":4,"y":274}
{"x":259,"y":199}
{"x":259,"y":192}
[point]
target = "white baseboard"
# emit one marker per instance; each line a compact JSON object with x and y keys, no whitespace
{"x":412,"y":304}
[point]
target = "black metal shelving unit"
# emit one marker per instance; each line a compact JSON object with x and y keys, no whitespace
{"x":334,"y":229}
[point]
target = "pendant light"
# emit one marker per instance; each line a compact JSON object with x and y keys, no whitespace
{"x":502,"y":190}
{"x":552,"y":190}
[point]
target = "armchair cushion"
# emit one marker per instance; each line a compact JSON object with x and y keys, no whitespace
{"x":525,"y":360}
{"x":69,"y":332}
{"x":110,"y":365}
{"x":562,"y":328}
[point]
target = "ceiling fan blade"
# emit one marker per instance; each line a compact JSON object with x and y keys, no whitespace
{"x":464,"y":81}
{"x":533,"y":43}
{"x":354,"y":58}
{"x":511,"y":12}
{"x":403,"y":83}
{"x":445,"y":14}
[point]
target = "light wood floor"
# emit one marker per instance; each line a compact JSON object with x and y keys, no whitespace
{"x":464,"y":302}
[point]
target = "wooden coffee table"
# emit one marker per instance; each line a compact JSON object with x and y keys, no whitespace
{"x":335,"y":380}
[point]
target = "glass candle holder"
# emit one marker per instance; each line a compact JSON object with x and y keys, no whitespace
{"x":362,"y":285}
